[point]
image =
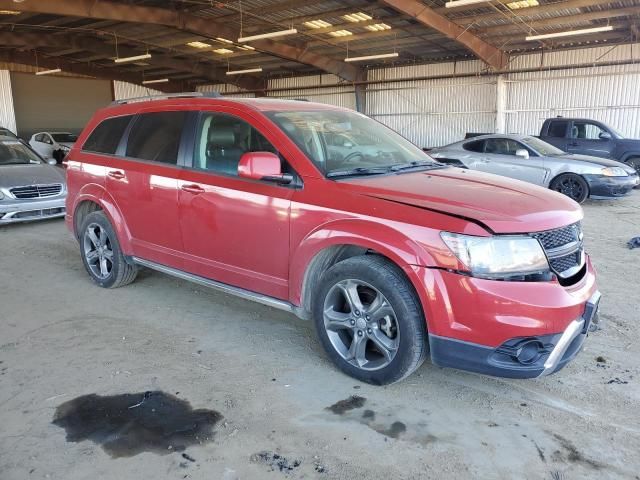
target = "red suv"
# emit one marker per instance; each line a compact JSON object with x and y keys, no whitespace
{"x":328,"y":214}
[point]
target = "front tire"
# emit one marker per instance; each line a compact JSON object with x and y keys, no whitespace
{"x":573,"y":186}
{"x":101,"y":254}
{"x":369,"y":320}
{"x":634,"y":163}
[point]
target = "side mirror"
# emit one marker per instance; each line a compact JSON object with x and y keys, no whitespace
{"x":522,"y":153}
{"x":604,"y":136}
{"x":263,"y":166}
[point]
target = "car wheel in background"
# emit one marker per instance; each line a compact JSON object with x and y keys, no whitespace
{"x":369,"y":320}
{"x":634,"y":162}
{"x":573,"y":186}
{"x":101,"y":254}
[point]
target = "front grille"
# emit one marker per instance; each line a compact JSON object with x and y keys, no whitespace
{"x":563,"y":247}
{"x":36,"y":191}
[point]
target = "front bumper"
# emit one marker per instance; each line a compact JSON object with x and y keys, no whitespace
{"x":524,"y":357}
{"x":610,"y":187}
{"x":13,"y":211}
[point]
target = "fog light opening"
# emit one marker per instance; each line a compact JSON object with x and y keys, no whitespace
{"x":529,"y":352}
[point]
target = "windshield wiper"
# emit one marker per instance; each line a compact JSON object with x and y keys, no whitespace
{"x":415,"y":164}
{"x":358,"y":171}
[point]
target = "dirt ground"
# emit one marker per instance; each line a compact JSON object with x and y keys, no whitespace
{"x":268,"y":384}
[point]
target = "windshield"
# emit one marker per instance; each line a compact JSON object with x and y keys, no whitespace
{"x":543,"y":148}
{"x":64,"y":137}
{"x":616,"y":132}
{"x":15,"y":153}
{"x":339,"y":142}
{"x":8,"y":133}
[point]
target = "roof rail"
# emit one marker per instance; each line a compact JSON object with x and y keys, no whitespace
{"x":164,"y":96}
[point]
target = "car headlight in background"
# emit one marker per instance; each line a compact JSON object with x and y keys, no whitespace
{"x":614,"y":172}
{"x":498,"y":256}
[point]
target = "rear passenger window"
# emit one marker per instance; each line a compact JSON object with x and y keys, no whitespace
{"x":477,"y":146}
{"x":558,"y":129}
{"x":106,"y":136}
{"x":156,"y":137}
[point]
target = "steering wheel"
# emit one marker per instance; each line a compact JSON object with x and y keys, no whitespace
{"x":352,"y":155}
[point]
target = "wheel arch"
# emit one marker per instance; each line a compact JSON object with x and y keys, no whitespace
{"x":629,"y":155}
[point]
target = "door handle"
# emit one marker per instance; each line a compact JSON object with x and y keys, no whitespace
{"x":116,"y":174}
{"x":192,"y":188}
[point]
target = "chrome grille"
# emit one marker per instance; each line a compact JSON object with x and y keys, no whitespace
{"x":563,"y":247}
{"x":36,"y":191}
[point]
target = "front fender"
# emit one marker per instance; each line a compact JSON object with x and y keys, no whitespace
{"x":97,"y":194}
{"x":627,"y":155}
{"x":383,"y":239}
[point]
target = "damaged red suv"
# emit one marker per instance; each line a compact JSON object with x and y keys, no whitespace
{"x":330,"y":215}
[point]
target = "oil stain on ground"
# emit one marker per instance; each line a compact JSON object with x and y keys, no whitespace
{"x":128,"y":424}
{"x":351,"y":403}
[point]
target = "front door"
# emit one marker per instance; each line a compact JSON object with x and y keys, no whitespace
{"x":500,"y":154}
{"x":590,"y":138}
{"x":235,"y":230}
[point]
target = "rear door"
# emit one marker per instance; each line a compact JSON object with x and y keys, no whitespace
{"x":591,"y":138}
{"x":235,"y":230}
{"x":143,"y":181}
{"x":502,"y":158}
{"x":557,"y":133}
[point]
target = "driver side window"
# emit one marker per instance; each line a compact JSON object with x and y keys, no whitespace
{"x":502,"y":146}
{"x":586,"y":131}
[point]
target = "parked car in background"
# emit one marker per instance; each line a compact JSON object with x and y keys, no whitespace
{"x":393,"y":256}
{"x":532,"y":160}
{"x":590,"y":137}
{"x":30,"y":188}
{"x":53,"y":144}
{"x":5,"y":132}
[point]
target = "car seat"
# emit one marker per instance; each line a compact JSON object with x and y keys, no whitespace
{"x":223,"y":153}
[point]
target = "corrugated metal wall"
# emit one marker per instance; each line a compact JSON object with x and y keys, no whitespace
{"x":7,"y":113}
{"x":340,"y":96}
{"x":123,"y":90}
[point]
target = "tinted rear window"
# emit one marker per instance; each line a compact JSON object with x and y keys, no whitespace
{"x":106,"y":136}
{"x":558,"y":129}
{"x":477,"y":146}
{"x":156,"y":137}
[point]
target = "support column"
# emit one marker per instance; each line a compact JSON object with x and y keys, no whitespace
{"x":501,"y":104}
{"x":361,"y":91}
{"x":7,"y":112}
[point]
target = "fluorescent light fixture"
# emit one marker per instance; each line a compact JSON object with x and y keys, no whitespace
{"x":523,"y":4}
{"x":244,"y":47}
{"x":159,"y":80}
{"x":570,"y":33}
{"x":248,"y":70}
{"x":371,"y":57}
{"x":199,"y":45}
{"x":132,"y":59}
{"x":9,"y":12}
{"x":340,"y":33}
{"x":280,"y":33}
{"x":317,"y":24}
{"x":47,"y":72}
{"x":222,"y":51}
{"x":357,"y":17}
{"x":223,"y":40}
{"x":378,"y":27}
{"x":462,"y":3}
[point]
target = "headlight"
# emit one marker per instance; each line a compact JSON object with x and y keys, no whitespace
{"x":613,"y":172}
{"x":498,"y":256}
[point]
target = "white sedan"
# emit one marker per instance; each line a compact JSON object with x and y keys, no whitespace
{"x":52,"y":144}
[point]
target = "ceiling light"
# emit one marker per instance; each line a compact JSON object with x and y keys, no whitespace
{"x":223,"y":40}
{"x":248,"y":70}
{"x":371,"y":57}
{"x":340,"y":33}
{"x":222,"y":51}
{"x":378,"y":27}
{"x":357,"y":17}
{"x":159,"y":80}
{"x":462,"y":3}
{"x":199,"y":45}
{"x":523,"y":4}
{"x":244,"y":47}
{"x":317,"y":24}
{"x":279,"y":33}
{"x":570,"y":33}
{"x":131,"y":59}
{"x":9,"y":12}
{"x":47,"y":72}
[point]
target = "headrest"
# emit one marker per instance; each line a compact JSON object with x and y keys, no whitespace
{"x":222,"y":136}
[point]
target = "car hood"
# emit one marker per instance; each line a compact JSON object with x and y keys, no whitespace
{"x":499,"y":204}
{"x":23,"y":175}
{"x":605,"y":162}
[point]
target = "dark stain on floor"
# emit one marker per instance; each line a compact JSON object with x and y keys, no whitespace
{"x":369,"y":415}
{"x":351,"y":403}
{"x":131,"y":423}
{"x":275,"y":461}
{"x":393,"y":431}
{"x":573,"y":455}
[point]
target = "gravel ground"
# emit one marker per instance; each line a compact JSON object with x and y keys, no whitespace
{"x":276,"y":407}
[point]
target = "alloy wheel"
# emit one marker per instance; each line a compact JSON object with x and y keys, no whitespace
{"x":571,"y":188}
{"x":98,"y":251}
{"x":361,"y":324}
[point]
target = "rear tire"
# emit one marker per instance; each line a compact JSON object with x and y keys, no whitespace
{"x":369,"y":320}
{"x":101,"y":254}
{"x":573,"y":186}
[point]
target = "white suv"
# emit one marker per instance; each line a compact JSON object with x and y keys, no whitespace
{"x":53,"y":144}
